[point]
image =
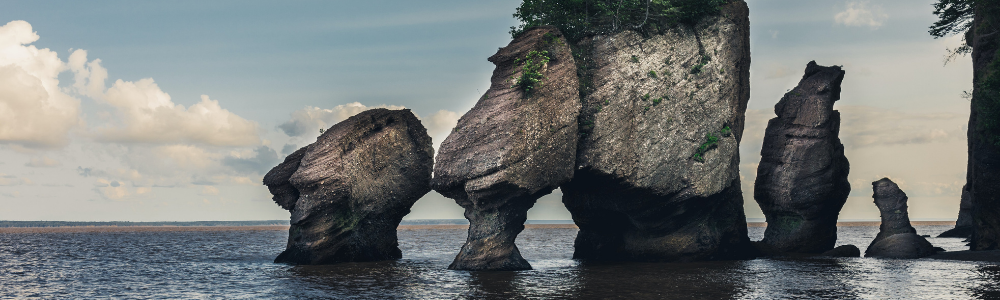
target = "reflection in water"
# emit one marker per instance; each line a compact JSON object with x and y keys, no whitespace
{"x":238,"y":265}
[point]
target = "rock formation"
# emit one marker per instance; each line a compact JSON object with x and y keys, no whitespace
{"x":984,"y":129}
{"x":348,"y":191}
{"x":657,"y":170}
{"x":896,"y":238}
{"x":517,"y":144}
{"x":963,"y":227}
{"x":802,"y":176}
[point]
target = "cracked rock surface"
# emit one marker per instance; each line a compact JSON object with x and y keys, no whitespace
{"x":348,"y":191}
{"x":801,"y":181}
{"x":657,"y":170}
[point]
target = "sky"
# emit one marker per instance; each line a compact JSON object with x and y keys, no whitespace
{"x":173,"y":111}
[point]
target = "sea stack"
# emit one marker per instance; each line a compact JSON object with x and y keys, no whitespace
{"x":657,"y":170}
{"x":964,"y":224}
{"x":348,"y":191}
{"x":896,"y":238}
{"x":802,"y":176}
{"x":517,"y":144}
{"x":983,"y":173}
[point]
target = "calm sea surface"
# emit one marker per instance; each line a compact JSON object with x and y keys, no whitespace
{"x":237,"y":264}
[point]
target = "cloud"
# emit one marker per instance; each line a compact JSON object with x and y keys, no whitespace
{"x":11,"y":180}
{"x":288,"y":149}
{"x":439,"y":126}
{"x":859,"y":14}
{"x":43,"y":162}
{"x":209,"y":190}
{"x":865,"y":126}
{"x":308,"y":121}
{"x":149,"y":116}
{"x":34,"y":112}
{"x":262,"y":160}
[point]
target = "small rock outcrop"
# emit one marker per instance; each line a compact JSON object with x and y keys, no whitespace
{"x":348,"y":191}
{"x":802,"y":176}
{"x":896,"y":238}
{"x":963,"y":227}
{"x":517,"y":144}
{"x":657,"y":170}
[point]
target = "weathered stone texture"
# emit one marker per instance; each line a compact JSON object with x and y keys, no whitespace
{"x":802,"y":176}
{"x":642,"y":190}
{"x":896,"y":237}
{"x":510,"y":149}
{"x":352,"y":187}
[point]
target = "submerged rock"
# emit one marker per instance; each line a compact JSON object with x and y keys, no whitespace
{"x":896,"y":237}
{"x":517,"y":144}
{"x":349,"y":190}
{"x":802,"y":176}
{"x":657,"y":170}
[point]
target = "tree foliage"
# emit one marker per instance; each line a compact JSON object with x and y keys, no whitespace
{"x":579,"y":18}
{"x":956,"y":17}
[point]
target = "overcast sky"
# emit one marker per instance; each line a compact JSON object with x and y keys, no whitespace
{"x":152,"y":111}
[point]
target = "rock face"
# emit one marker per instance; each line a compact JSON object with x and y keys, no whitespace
{"x":896,"y":238}
{"x":802,"y":176}
{"x":984,"y":156}
{"x":349,"y":190}
{"x":511,"y":148}
{"x":843,"y":251}
{"x":963,"y":227}
{"x":657,"y":170}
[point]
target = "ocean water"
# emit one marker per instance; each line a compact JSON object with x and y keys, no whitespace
{"x":237,"y":265}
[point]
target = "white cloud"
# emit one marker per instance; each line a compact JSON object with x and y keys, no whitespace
{"x":149,"y":116}
{"x":11,"y":180}
{"x":33,"y":110}
{"x":209,"y":190}
{"x":858,"y":14}
{"x":43,"y":162}
{"x":439,"y":126}
{"x":308,"y":121}
{"x":865,"y":126}
{"x":88,"y":77}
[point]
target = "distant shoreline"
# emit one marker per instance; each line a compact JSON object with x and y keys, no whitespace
{"x":163,"y":228}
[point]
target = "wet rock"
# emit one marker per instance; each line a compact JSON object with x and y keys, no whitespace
{"x":903,"y":245}
{"x":513,"y":147}
{"x":896,"y":238}
{"x":352,"y":187}
{"x":657,"y":170}
{"x":843,"y":251}
{"x":802,"y":176}
{"x":963,"y":227}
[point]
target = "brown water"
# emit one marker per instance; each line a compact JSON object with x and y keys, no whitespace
{"x":237,"y":264}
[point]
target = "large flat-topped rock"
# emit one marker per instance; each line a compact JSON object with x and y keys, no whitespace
{"x":657,"y":173}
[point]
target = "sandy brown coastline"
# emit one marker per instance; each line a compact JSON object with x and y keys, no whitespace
{"x":72,"y":229}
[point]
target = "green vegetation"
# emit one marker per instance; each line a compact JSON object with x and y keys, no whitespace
{"x":531,"y":70}
{"x":645,"y":97}
{"x":652,"y":74}
{"x":634,"y":59}
{"x":711,"y":141}
{"x":658,"y":100}
{"x":579,"y":18}
{"x":701,"y":64}
{"x":956,"y":17}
